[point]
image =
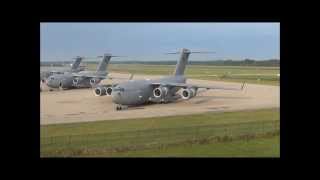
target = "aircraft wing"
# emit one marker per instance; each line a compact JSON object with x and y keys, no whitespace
{"x":55,"y":72}
{"x":184,"y":85}
{"x":89,"y":76}
{"x":131,"y":76}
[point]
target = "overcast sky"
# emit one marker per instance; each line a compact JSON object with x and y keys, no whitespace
{"x":149,"y":41}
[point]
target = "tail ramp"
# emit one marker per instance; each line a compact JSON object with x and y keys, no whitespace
{"x":76,"y":63}
{"x":104,"y":63}
{"x":183,"y":61}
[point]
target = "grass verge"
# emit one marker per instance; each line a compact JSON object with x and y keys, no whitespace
{"x":105,"y":138}
{"x":256,"y":147}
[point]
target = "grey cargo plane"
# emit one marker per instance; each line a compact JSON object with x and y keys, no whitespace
{"x":163,"y":90}
{"x":82,"y":79}
{"x":75,"y":67}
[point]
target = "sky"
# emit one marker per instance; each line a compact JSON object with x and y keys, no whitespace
{"x":150,"y":41}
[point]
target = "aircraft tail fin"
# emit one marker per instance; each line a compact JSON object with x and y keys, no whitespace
{"x":183,"y":61}
{"x":104,"y":63}
{"x":76,"y":63}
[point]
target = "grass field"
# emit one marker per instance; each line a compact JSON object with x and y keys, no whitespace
{"x":258,"y":147}
{"x":250,"y":74}
{"x":254,"y":133}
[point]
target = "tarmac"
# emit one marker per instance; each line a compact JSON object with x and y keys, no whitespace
{"x":80,"y":105}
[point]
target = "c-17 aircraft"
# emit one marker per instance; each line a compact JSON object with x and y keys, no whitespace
{"x":82,"y":79}
{"x":163,"y":90}
{"x":75,"y":67}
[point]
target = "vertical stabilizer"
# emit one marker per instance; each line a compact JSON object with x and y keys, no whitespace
{"x":181,"y":64}
{"x":76,"y":63}
{"x":102,"y":67}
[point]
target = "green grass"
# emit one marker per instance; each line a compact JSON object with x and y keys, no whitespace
{"x":104,"y":137}
{"x":252,"y":74}
{"x":258,"y":147}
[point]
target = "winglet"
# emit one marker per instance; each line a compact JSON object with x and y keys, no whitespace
{"x":243,"y":85}
{"x":130,"y":78}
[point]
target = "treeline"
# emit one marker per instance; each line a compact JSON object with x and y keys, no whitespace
{"x":245,"y":62}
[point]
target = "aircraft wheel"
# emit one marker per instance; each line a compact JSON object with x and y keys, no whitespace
{"x":60,"y":86}
{"x":119,"y":108}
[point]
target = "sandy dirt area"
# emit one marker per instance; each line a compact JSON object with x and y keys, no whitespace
{"x":80,"y":105}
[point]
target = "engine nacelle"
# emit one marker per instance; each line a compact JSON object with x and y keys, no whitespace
{"x":99,"y":91}
{"x":160,"y":92}
{"x":188,"y":93}
{"x":108,"y":91}
{"x":65,"y":84}
{"x":75,"y":81}
{"x":93,"y":81}
{"x":103,"y":90}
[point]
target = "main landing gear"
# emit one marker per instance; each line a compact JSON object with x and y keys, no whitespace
{"x":121,"y":107}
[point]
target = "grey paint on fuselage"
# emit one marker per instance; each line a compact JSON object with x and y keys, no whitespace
{"x":66,"y":81}
{"x":163,"y":90}
{"x":82,"y":79}
{"x":137,"y":92}
{"x":55,"y":81}
{"x":75,"y":67}
{"x":84,"y":82}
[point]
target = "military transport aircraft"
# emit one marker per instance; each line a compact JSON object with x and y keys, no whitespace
{"x":163,"y":90}
{"x":82,"y":79}
{"x":75,"y":67}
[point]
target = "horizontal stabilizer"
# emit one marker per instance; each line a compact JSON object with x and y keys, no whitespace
{"x":84,"y":57}
{"x":110,"y":56}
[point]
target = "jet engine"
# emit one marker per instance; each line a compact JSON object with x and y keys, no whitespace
{"x":63,"y":85}
{"x":103,"y":90}
{"x":100,"y":91}
{"x":75,"y":81}
{"x":109,"y":91}
{"x":93,"y":81}
{"x":160,"y":92}
{"x":188,"y":93}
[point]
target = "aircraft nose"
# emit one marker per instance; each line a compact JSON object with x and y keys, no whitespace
{"x":47,"y":81}
{"x":116,"y":97}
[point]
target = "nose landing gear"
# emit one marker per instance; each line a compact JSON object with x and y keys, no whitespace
{"x":121,"y":107}
{"x":61,"y":88}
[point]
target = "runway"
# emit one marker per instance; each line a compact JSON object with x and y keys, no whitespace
{"x":80,"y":105}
